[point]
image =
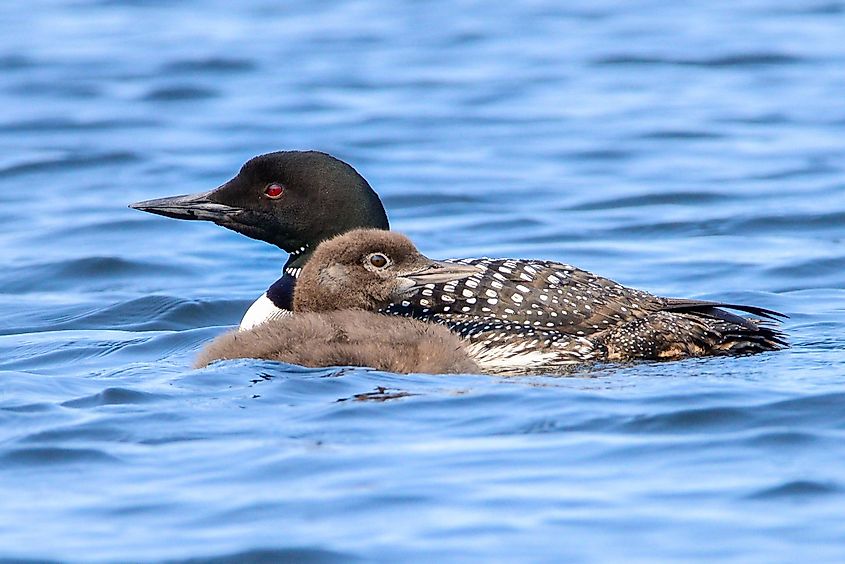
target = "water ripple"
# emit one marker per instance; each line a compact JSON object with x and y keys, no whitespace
{"x":61,"y":164}
{"x":796,"y":490}
{"x":735,"y":60}
{"x":51,"y":456}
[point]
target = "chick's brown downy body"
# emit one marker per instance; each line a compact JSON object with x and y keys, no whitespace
{"x":348,"y":338}
{"x":335,"y":323}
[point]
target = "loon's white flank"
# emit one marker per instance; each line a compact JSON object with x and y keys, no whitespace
{"x":261,"y":311}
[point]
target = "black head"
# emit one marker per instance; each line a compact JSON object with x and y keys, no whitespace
{"x":369,"y":269}
{"x":291,"y":199}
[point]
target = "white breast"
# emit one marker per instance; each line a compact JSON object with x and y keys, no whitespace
{"x":261,"y":311}
{"x":508,"y":357}
{"x":520,"y":356}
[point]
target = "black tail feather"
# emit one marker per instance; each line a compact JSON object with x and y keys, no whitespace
{"x":751,"y":334}
{"x":710,"y":308}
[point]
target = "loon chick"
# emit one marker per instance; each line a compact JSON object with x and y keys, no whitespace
{"x":346,"y":281}
{"x":533,"y":312}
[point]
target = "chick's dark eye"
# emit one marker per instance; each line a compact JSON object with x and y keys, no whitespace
{"x":379,"y":261}
{"x":274,"y":190}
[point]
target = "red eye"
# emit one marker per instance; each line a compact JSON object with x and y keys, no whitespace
{"x":274,"y":190}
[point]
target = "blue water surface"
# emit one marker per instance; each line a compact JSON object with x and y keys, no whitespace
{"x":693,"y":149}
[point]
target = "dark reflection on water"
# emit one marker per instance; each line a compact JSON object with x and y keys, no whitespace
{"x":692,"y":149}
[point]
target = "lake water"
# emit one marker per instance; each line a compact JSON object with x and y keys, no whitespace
{"x":693,"y":149}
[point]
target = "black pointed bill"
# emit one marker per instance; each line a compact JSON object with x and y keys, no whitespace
{"x":190,"y":206}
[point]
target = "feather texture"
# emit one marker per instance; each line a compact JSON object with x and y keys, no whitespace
{"x":542,"y":312}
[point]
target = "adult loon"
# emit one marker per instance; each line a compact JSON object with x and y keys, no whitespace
{"x":348,"y":279}
{"x":295,"y":200}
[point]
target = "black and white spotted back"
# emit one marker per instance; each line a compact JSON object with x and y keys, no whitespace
{"x":520,"y":314}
